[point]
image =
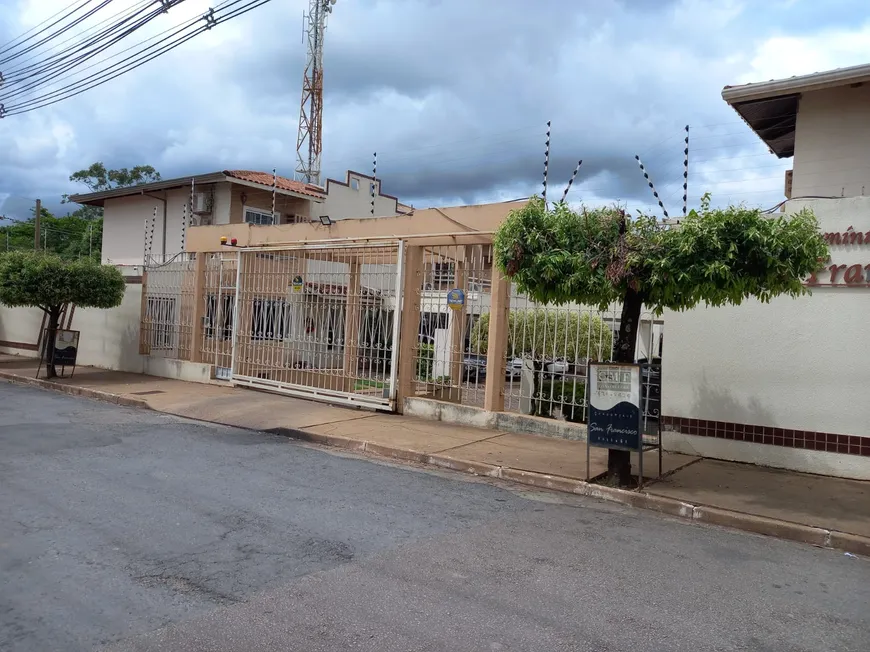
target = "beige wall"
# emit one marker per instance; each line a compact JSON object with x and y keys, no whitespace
{"x":832,"y":143}
{"x":124,"y":226}
{"x":124,"y":217}
{"x":799,"y":364}
{"x":222,"y":202}
{"x":484,"y":218}
{"x":343,"y":201}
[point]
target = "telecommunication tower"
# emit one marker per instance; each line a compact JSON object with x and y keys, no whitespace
{"x":309,"y":140}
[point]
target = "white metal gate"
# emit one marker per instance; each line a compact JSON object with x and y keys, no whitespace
{"x":319,"y":321}
{"x":219,"y":285}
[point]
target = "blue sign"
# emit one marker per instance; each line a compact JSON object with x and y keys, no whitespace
{"x":614,"y":406}
{"x":455,"y":299}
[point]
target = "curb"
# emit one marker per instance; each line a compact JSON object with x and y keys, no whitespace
{"x":763,"y":525}
{"x":820,"y":537}
{"x":75,"y":390}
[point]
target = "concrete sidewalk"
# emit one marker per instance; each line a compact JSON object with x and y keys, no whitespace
{"x":826,"y":511}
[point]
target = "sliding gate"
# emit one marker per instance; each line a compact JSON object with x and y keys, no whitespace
{"x":319,"y":322}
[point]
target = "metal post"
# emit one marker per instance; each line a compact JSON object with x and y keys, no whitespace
{"x":686,"y":173}
{"x":397,"y":322}
{"x":374,"y":180}
{"x":571,"y":180}
{"x":640,"y":464}
{"x":546,"y":162}
{"x":274,"y":192}
{"x":239,"y":260}
{"x":37,"y":224}
{"x":651,"y":186}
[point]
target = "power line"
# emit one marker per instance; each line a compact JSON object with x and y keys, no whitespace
{"x":92,"y":81}
{"x":48,"y":76}
{"x":20,"y":36}
{"x":7,"y":46}
{"x":57,"y":58}
{"x":57,"y":33}
{"x":103,"y":73}
{"x":15,"y":71}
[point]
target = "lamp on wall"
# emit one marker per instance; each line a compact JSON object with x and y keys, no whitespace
{"x":325,"y":220}
{"x":244,"y":198}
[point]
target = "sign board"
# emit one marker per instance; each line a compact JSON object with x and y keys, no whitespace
{"x":66,"y":346}
{"x":614,"y":406}
{"x":455,"y":299}
{"x":298,"y":283}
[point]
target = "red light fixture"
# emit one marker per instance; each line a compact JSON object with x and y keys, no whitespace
{"x":234,"y":242}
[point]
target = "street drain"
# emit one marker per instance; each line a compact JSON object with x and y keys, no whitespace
{"x":152,"y":391}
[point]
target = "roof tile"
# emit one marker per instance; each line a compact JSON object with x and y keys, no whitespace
{"x":266,"y":179}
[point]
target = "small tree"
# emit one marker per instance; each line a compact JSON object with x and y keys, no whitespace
{"x":45,"y":281}
{"x":601,"y":256}
{"x":572,"y":335}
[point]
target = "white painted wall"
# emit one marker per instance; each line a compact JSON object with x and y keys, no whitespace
{"x":345,"y":201}
{"x":832,"y":143}
{"x":223,"y":197}
{"x":109,"y":339}
{"x":801,"y":364}
{"x":124,"y":226}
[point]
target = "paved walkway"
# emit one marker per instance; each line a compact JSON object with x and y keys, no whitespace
{"x":821,"y":502}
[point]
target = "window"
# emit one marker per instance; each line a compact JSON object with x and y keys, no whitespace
{"x":354,"y":183}
{"x":160,"y":314}
{"x":444,"y":272}
{"x":269,"y":319}
{"x":219,"y":317}
{"x":260,"y":218}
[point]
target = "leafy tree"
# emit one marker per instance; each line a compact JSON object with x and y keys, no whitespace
{"x":70,"y":237}
{"x":97,"y":178}
{"x":549,"y":334}
{"x":601,"y":256}
{"x":42,"y":280}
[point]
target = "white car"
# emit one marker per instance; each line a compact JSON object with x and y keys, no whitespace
{"x":514,"y":368}
{"x":558,"y":366}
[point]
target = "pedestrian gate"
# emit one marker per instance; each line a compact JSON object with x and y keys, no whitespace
{"x":319,"y":321}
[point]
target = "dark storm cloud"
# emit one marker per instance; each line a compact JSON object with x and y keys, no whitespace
{"x":452,"y":94}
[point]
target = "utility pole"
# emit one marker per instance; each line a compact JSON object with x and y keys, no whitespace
{"x":310,"y":136}
{"x":36,"y":224}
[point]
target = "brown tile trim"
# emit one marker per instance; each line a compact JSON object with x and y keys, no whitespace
{"x":133,"y":280}
{"x":19,"y":345}
{"x":787,"y":437}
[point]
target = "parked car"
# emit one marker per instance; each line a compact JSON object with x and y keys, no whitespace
{"x":474,"y":367}
{"x":559,"y":366}
{"x":514,"y":368}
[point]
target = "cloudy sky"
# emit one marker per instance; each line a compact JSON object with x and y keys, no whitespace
{"x":454,"y":95}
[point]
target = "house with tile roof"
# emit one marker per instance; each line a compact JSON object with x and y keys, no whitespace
{"x":163,"y":211}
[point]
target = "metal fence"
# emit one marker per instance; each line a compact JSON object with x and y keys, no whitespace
{"x":549,"y":347}
{"x":319,"y":321}
{"x":219,"y":298}
{"x":450,"y":365}
{"x":322,"y":320}
{"x":168,"y":306}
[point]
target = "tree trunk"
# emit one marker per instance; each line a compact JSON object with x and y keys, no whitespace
{"x":619,"y":462}
{"x":48,"y":345}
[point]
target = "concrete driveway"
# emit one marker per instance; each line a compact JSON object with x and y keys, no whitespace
{"x":123,"y":529}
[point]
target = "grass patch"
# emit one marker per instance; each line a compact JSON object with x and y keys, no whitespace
{"x":368,"y":384}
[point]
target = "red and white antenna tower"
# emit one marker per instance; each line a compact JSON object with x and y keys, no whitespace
{"x":309,"y":141}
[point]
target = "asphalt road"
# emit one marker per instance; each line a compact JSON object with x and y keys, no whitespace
{"x":123,"y":529}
